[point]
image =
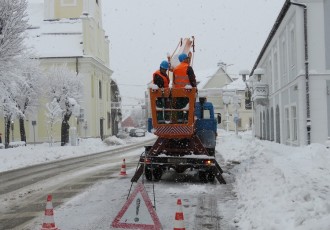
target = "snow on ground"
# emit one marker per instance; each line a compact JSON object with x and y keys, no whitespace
{"x":277,"y":187}
{"x":13,"y":158}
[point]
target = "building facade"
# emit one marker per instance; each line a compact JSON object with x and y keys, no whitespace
{"x":228,"y":98}
{"x":291,"y":95}
{"x":71,"y":33}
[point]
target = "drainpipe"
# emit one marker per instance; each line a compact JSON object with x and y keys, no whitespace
{"x":77,"y":66}
{"x":308,"y":118}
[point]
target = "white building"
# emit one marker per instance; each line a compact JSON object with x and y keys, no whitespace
{"x":292,"y":99}
{"x":227,"y":96}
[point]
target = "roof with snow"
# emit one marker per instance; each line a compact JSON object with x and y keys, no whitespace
{"x":204,"y":76}
{"x":238,"y":84}
{"x":53,"y":38}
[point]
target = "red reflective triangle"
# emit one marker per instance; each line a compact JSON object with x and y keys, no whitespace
{"x":119,"y":223}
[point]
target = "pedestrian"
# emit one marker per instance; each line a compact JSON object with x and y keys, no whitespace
{"x":0,"y":138}
{"x":160,"y":77}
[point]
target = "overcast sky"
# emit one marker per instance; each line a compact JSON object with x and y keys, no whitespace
{"x":142,"y":32}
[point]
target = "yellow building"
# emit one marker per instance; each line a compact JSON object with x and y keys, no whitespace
{"x":70,"y":32}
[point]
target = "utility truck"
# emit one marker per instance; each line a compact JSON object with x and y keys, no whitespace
{"x":186,"y":134}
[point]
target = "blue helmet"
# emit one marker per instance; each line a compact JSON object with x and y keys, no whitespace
{"x":182,"y":57}
{"x":164,"y":65}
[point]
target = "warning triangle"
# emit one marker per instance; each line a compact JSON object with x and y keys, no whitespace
{"x":137,"y":212}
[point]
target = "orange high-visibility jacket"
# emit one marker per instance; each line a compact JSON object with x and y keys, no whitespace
{"x":181,"y":78}
{"x":165,"y":79}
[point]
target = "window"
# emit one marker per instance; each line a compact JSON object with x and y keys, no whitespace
{"x":270,"y":75}
{"x":100,"y":89}
{"x":292,"y":53}
{"x":287,"y":124}
{"x":239,"y":123}
{"x":207,"y":114}
{"x":291,"y":123}
{"x":276,"y":78}
{"x":248,"y":102}
{"x":68,"y":2}
{"x":1,"y":26}
{"x":272,"y":124}
{"x":294,"y":123}
{"x":283,"y":61}
{"x":109,"y":120}
{"x":92,"y":86}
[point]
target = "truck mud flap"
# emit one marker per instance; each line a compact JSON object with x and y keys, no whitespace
{"x":217,"y":172}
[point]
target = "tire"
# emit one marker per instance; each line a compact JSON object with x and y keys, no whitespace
{"x":202,"y":176}
{"x":148,"y":174}
{"x":157,"y":173}
{"x":180,"y":169}
{"x":210,"y":176}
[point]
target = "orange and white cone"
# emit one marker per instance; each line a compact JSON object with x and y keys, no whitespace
{"x":49,"y":223}
{"x":179,"y":219}
{"x":123,"y":169}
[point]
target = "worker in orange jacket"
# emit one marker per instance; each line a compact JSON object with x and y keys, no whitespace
{"x":160,"y":77}
{"x":184,"y":74}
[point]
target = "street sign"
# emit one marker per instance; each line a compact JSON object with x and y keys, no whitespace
{"x":137,"y":212}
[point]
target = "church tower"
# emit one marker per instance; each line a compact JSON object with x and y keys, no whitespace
{"x":95,"y":42}
{"x":59,"y":9}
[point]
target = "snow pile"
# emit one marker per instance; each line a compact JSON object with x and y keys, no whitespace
{"x":113,"y":140}
{"x":278,"y":186}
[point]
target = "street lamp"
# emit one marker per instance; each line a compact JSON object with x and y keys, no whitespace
{"x":248,"y":92}
{"x":259,"y":72}
{"x":243,"y":73}
{"x":34,"y":123}
{"x":236,"y":115}
{"x":85,"y":128}
{"x":226,"y":100}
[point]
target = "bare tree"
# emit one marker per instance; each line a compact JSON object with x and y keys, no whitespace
{"x":66,"y":87}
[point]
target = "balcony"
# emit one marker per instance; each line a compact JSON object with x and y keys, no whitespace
{"x":260,"y":94}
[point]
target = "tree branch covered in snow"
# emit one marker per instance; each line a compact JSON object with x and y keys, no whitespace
{"x":13,"y":23}
{"x":66,"y":88}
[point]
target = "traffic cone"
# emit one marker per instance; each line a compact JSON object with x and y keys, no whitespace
{"x":123,"y":169}
{"x":49,"y":223}
{"x":179,"y":219}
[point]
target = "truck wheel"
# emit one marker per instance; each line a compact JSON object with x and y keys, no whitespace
{"x":157,"y":172}
{"x":148,"y":173}
{"x":180,"y":169}
{"x":202,"y":176}
{"x":210,"y":177}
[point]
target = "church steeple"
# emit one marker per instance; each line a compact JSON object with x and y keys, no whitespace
{"x":58,"y":9}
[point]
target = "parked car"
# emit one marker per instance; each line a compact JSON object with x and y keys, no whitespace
{"x":122,"y":134}
{"x":137,"y":133}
